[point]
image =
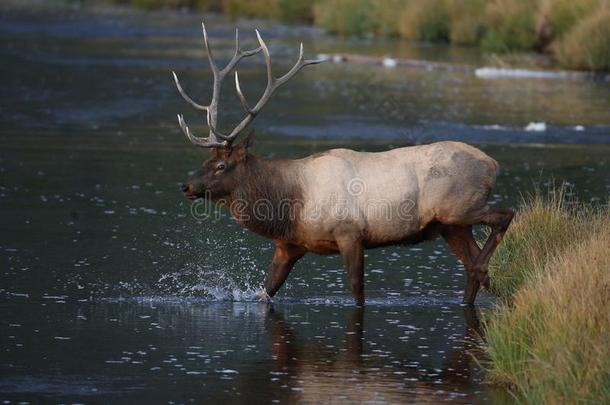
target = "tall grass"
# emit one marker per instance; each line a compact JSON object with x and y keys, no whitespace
{"x":287,"y":10}
{"x":345,"y":17}
{"x":549,"y":340}
{"x":556,"y":17}
{"x":387,"y":15}
{"x":426,"y":21}
{"x":252,"y":8}
{"x":466,"y":21}
{"x":587,"y":45}
{"x":150,"y":4}
{"x":509,"y":25}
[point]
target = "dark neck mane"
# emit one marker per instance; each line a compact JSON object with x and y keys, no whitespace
{"x":268,"y":197}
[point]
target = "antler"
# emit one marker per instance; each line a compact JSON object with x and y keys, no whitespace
{"x":215,"y":137}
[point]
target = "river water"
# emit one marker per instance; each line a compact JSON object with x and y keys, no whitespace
{"x":110,"y":290}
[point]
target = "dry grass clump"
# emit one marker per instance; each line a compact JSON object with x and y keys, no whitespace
{"x":587,"y":45}
{"x":387,"y":16}
{"x":509,"y":25}
{"x":346,"y":17}
{"x":549,"y":338}
{"x":551,"y":344}
{"x":252,"y":8}
{"x":426,"y":21}
{"x":557,"y":17}
{"x":542,"y":228}
{"x":467,"y":21}
{"x":150,"y":4}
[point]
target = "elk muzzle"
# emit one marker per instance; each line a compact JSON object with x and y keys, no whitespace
{"x":189,"y":191}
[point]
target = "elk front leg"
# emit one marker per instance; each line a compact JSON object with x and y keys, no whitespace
{"x":352,"y":253}
{"x":284,"y":258}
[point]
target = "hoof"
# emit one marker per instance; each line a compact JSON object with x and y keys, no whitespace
{"x":486,"y":283}
{"x":262,"y":296}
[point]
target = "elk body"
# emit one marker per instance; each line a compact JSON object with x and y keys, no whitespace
{"x":341,"y":201}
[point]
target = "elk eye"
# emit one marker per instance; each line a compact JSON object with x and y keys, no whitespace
{"x":220,"y":167}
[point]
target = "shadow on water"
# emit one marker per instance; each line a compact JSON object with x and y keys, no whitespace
{"x":240,"y":352}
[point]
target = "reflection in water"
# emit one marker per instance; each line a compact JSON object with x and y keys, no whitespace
{"x":184,"y":351}
{"x":317,"y":373}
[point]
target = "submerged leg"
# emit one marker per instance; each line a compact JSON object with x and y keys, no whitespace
{"x":284,"y":258}
{"x":353,"y":338}
{"x":462,"y":244}
{"x":352,"y":253}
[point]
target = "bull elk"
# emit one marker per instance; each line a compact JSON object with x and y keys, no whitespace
{"x":341,"y":201}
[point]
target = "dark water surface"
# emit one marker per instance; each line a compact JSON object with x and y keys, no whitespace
{"x":110,"y":291}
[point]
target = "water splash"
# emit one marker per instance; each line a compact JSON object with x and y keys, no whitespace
{"x":209,"y":283}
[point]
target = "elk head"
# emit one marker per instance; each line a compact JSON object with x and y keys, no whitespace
{"x":220,"y":174}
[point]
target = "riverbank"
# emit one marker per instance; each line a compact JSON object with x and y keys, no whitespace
{"x":548,"y":339}
{"x":487,"y":72}
{"x":576,"y":35}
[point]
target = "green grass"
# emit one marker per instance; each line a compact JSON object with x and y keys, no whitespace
{"x":426,"y":21}
{"x":509,"y":25}
{"x":345,"y":17}
{"x":548,"y":340}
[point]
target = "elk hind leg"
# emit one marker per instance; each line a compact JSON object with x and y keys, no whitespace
{"x":498,"y":220}
{"x":462,"y":244}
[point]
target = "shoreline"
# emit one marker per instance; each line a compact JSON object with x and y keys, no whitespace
{"x":513,"y":69}
{"x":573,"y":36}
{"x":487,"y":72}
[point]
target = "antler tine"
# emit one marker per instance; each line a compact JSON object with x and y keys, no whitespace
{"x":186,"y":97}
{"x":242,"y":99}
{"x":236,"y":42}
{"x":267,"y":56}
{"x":297,"y":66}
{"x":237,"y":56}
{"x":209,"y":51}
{"x":203,"y":142}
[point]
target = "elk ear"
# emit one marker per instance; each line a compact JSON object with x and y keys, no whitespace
{"x":248,"y":141}
{"x":214,"y":152}
{"x":241,"y":149}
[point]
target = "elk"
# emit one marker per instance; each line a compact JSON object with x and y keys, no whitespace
{"x":341,"y":201}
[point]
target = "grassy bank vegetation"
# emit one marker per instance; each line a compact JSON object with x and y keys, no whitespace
{"x":549,"y":338}
{"x":575,"y":32}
